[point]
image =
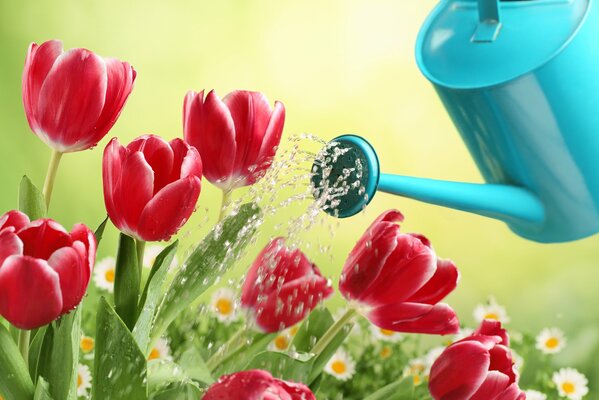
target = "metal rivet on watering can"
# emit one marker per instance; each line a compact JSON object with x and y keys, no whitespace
{"x":525,"y":98}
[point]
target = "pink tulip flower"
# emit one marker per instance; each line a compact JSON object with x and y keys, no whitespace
{"x":282,"y":287}
{"x":44,"y":270}
{"x":151,"y":186}
{"x":256,"y":385}
{"x":478,"y":367}
{"x":73,"y":98}
{"x":396,"y":280}
{"x":237,"y":137}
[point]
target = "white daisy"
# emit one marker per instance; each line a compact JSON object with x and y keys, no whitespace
{"x":104,"y":273}
{"x":417,"y":369}
{"x":385,"y":334}
{"x":160,"y":351}
{"x":385,"y":352}
{"x":551,"y":340}
{"x":570,"y":383}
{"x":341,"y":365}
{"x":84,"y":380}
{"x":535,"y":395}
{"x":151,"y":252}
{"x":491,"y":310}
{"x":224,"y":305}
{"x":87,"y":345}
{"x":281,"y":342}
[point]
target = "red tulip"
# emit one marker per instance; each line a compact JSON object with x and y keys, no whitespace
{"x":397,"y":280}
{"x":73,"y":98}
{"x":256,"y":385}
{"x":44,"y":270}
{"x":151,"y":186}
{"x":478,"y":367}
{"x":237,"y":137}
{"x":282,"y":287}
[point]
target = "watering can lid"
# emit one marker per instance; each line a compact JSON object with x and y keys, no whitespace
{"x":450,"y":53}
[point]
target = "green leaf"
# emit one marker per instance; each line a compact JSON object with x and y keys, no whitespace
{"x":312,"y":329}
{"x":149,"y":299}
{"x":35,"y":348}
{"x":42,"y":390}
{"x":195,"y":366}
{"x":119,"y":364}
{"x":283,"y":366}
{"x":15,"y":383}
{"x":127,"y":281}
{"x":237,"y":362}
{"x":400,"y":390}
{"x":100,"y":230}
{"x":178,"y":391}
{"x":210,"y":259}
{"x":31,"y":200}
{"x":321,"y":360}
{"x":163,"y":372}
{"x":59,"y":355}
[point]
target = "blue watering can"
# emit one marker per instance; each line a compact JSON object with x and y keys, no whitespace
{"x":520,"y":80}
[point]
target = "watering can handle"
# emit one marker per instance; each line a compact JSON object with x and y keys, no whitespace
{"x":489,"y":14}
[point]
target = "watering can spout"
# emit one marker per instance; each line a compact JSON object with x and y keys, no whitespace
{"x":508,"y":203}
{"x":346,"y":175}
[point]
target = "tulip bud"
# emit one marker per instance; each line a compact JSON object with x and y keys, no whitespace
{"x":73,"y":98}
{"x":478,"y":367}
{"x":44,"y":270}
{"x":151,"y":186}
{"x":237,"y":137}
{"x":256,"y":385}
{"x":397,"y":281}
{"x":282,"y":287}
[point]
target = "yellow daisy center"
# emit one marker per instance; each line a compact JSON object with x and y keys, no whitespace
{"x":417,"y":379}
{"x":492,"y":315}
{"x":154,"y":354}
{"x":87,"y":344}
{"x":387,"y":332}
{"x":224,"y":306}
{"x":552,"y":343}
{"x":568,"y":387}
{"x":294,"y":330}
{"x":79,"y":380}
{"x":338,"y":367}
{"x":281,"y":342}
{"x":109,"y":275}
{"x":386,"y":352}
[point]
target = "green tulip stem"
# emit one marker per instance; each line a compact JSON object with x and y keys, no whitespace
{"x":24,"y":344}
{"x":140,"y":246}
{"x":226,"y":199}
{"x":51,"y":176}
{"x":337,"y":327}
{"x":227,"y":350}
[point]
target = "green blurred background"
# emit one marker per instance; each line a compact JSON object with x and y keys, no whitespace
{"x":339,"y":66}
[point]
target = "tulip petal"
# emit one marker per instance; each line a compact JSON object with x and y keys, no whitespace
{"x":251,"y":113}
{"x":209,"y":127}
{"x":43,"y":237}
{"x":387,"y":217}
{"x":30,"y":290}
{"x":38,"y":63}
{"x":297,"y":391}
{"x":450,"y":383}
{"x":407,"y":269}
{"x":14,"y":219}
{"x":289,"y":305}
{"x":513,"y":392}
{"x":85,"y":243}
{"x":501,"y":360}
{"x":187,"y":161}
{"x":169,"y":209}
{"x":493,"y":385}
{"x":443,"y":282}
{"x":244,"y":385}
{"x":491,"y":327}
{"x":439,"y":319}
{"x":133,"y":193}
{"x":71,"y":99}
{"x":159,"y":155}
{"x":71,"y":271}
{"x":119,"y":84}
{"x":255,"y":281}
{"x":112,"y":167}
{"x":10,"y":245}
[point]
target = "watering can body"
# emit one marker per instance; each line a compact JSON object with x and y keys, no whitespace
{"x":520,"y":80}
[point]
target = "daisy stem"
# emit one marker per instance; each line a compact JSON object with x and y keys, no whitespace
{"x":226,"y":199}
{"x":140,"y":246}
{"x":227,"y":350}
{"x":333,"y":331}
{"x":51,"y":176}
{"x":24,"y":344}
